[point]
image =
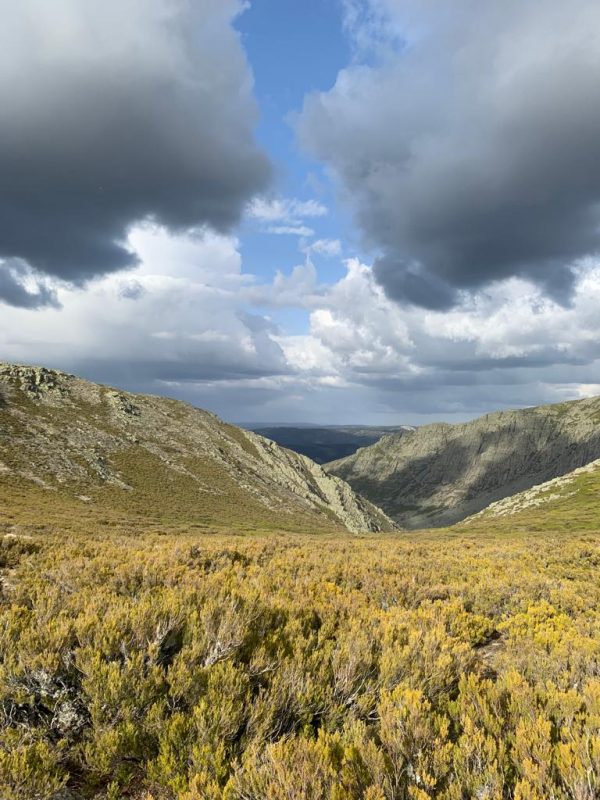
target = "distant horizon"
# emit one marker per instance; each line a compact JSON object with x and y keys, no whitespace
{"x":178,"y":392}
{"x":314,"y":425}
{"x":173,"y":394}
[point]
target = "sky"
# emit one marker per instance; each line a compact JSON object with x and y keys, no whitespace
{"x":327,"y":211}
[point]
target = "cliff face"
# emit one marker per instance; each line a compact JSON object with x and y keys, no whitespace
{"x":162,"y":458}
{"x":440,"y":474}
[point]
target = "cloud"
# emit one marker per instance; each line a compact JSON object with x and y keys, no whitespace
{"x":21,"y":287}
{"x":506,"y":346}
{"x":296,"y":290}
{"x":288,"y":210}
{"x":179,"y":317}
{"x":468,"y":159}
{"x":117,"y":112}
{"x":325,"y":247}
{"x":285,"y":216}
{"x":291,"y":230}
{"x":188,"y":322}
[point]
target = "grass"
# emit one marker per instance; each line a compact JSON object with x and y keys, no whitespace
{"x":572,"y":506}
{"x":158,"y":657}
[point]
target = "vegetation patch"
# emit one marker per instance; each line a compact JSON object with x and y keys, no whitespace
{"x":158,"y":662}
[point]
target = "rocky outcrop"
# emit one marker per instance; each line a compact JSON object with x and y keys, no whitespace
{"x":308,"y":480}
{"x":440,"y":474}
{"x":102,"y":445}
{"x":557,"y":490}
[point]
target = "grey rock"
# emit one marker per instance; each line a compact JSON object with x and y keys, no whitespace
{"x":78,"y":437}
{"x":440,"y":474}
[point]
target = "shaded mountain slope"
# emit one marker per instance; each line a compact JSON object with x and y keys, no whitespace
{"x":569,"y":502}
{"x":157,"y":458}
{"x":440,"y":474}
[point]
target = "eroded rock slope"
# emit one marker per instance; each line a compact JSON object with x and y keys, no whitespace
{"x":440,"y":474}
{"x":160,"y":457}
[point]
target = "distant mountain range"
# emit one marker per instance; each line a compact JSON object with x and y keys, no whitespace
{"x":327,"y":442}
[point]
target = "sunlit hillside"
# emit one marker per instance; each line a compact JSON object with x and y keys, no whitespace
{"x":93,"y":450}
{"x":156,"y":662}
{"x":570,"y":502}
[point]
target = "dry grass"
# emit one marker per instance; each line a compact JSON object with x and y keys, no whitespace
{"x":156,"y":659}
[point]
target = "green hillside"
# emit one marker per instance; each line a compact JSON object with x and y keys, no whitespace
{"x":98,"y":450}
{"x":568,"y":503}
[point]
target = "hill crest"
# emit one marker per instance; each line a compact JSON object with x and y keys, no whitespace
{"x":149,"y":454}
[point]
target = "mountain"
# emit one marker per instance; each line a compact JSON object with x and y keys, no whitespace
{"x":65,"y":440}
{"x":326,"y":443}
{"x":439,"y":474}
{"x":569,"y":502}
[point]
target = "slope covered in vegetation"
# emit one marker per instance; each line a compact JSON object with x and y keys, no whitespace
{"x":569,"y":502}
{"x":152,"y":655}
{"x":86,"y":444}
{"x":158,"y":663}
{"x":439,"y":474}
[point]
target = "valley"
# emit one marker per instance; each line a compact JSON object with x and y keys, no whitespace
{"x":190,"y":612}
{"x":322,"y":444}
{"x":440,"y":474}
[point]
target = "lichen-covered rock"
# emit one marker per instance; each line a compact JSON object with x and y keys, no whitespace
{"x":160,"y":457}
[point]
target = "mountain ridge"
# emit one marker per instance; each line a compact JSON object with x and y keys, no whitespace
{"x":146,"y":453}
{"x":442,"y":473}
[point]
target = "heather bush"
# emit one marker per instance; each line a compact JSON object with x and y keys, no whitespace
{"x":216,"y":667}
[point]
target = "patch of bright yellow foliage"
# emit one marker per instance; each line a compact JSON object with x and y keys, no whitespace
{"x":448,"y":665}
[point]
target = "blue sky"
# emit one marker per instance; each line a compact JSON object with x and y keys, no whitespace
{"x":293,"y":48}
{"x":332,"y":211}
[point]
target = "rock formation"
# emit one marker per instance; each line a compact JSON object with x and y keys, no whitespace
{"x":151,"y":455}
{"x":440,"y":474}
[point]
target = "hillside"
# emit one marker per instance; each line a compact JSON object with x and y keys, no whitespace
{"x":450,"y":664}
{"x":570,"y":502}
{"x":441,"y":473}
{"x":150,"y":651}
{"x":65,"y":441}
{"x":328,"y":443}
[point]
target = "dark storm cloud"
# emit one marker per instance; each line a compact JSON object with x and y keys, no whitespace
{"x":413,"y":283}
{"x":210,"y":365}
{"x":473,"y":154}
{"x":116,"y":112}
{"x":20,"y":289}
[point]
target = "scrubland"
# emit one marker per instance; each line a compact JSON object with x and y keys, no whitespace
{"x":159,"y":663}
